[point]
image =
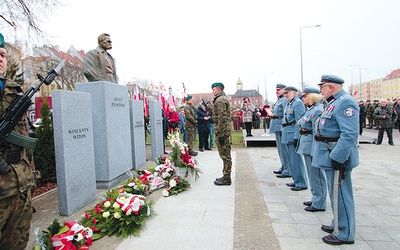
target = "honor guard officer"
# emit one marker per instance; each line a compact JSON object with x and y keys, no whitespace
{"x":276,"y":127}
{"x":335,"y":148}
{"x":316,"y":176}
{"x":290,"y":136}
{"x":222,"y":128}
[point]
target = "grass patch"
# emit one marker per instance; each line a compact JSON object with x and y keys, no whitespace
{"x":237,"y":139}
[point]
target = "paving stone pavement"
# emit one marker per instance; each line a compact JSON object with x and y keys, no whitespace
{"x":259,"y":211}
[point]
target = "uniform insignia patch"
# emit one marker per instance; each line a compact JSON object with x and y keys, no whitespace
{"x":349,"y":112}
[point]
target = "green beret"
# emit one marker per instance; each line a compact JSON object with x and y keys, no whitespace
{"x":188,"y":97}
{"x":217,"y":84}
{"x":2,"y":43}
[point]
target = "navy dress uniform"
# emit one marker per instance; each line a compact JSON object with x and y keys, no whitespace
{"x":316,"y":176}
{"x":290,"y":136}
{"x":276,"y":127}
{"x":336,"y":133}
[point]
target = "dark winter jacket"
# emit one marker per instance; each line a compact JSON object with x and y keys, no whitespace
{"x":203,"y":125}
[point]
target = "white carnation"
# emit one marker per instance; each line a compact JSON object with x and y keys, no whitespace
{"x":172,"y":183}
{"x":116,"y":205}
{"x":165,"y":193}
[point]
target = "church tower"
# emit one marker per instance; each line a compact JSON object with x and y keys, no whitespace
{"x":239,"y":85}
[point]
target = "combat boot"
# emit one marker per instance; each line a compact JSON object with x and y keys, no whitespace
{"x":223,"y":181}
{"x":192,"y":153}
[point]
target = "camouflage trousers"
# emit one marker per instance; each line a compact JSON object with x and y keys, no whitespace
{"x":15,"y":220}
{"x":224,"y":151}
{"x":190,"y":133}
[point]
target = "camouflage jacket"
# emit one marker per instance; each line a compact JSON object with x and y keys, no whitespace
{"x":21,"y":175}
{"x":369,"y":109}
{"x":190,"y":115}
{"x":385,"y":116}
{"x":221,"y":116}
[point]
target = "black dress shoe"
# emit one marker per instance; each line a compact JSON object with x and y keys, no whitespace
{"x":332,"y":240}
{"x":391,"y":144}
{"x":291,"y":184}
{"x":327,"y":229}
{"x":298,"y":188}
{"x":283,"y":176}
{"x":277,"y":172}
{"x":307,"y":203}
{"x":201,"y":150}
{"x":223,"y":181}
{"x":313,"y":209}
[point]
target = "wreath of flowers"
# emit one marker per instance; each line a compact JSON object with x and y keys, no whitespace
{"x":124,"y":210}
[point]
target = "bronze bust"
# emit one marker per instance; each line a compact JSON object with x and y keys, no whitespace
{"x":99,"y":65}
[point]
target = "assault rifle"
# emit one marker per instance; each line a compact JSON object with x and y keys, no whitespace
{"x":18,"y":109}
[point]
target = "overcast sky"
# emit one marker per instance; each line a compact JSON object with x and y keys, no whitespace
{"x":201,"y":42}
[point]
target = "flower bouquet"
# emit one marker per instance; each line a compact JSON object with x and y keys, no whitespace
{"x":70,"y":236}
{"x":138,"y":183}
{"x":121,"y":214}
{"x":175,"y":186}
{"x":181,"y":158}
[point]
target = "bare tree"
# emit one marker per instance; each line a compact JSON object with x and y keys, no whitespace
{"x":26,"y":15}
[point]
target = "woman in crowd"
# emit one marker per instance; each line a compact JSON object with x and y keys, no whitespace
{"x":316,"y":176}
{"x":173,"y":120}
{"x":247,"y":108}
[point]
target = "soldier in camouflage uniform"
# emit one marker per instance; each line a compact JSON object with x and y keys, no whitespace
{"x":369,"y":110}
{"x":222,"y":129}
{"x":16,"y":172}
{"x":191,"y":123}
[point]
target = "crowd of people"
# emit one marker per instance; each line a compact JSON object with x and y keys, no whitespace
{"x":381,"y":115}
{"x":193,"y":123}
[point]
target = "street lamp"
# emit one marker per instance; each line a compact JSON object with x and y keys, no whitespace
{"x":351,"y":86}
{"x":265,"y":86}
{"x":301,"y":52}
{"x":359,"y":72}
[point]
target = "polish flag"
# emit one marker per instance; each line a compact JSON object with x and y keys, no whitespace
{"x":146,"y":106}
{"x":136,"y":96}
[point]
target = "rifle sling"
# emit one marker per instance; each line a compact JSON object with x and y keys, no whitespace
{"x":21,"y":140}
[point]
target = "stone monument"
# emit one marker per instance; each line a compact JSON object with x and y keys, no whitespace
{"x":137,"y":133}
{"x":112,"y":132}
{"x":156,"y":130}
{"x":73,"y":143}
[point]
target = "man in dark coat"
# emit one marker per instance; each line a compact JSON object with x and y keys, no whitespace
{"x":203,"y":126}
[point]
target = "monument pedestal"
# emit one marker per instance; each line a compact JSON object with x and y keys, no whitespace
{"x":111,"y":131}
